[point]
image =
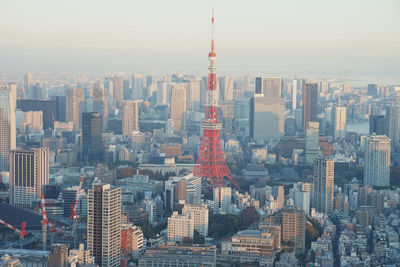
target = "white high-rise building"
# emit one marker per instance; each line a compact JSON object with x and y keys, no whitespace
{"x":222,"y":199}
{"x":28,"y":83}
{"x":193,"y":95}
{"x":339,"y":123}
{"x":137,"y":86}
{"x":295,"y":88}
{"x":180,"y":227}
{"x":193,"y":190}
{"x":29,"y":172}
{"x":130,"y":117}
{"x":8,"y":104}
{"x":323,"y":176}
{"x":162,"y":92}
{"x":226,"y":88}
{"x":302,"y":200}
{"x":312,"y":142}
{"x":377,"y":161}
{"x":104,"y":224}
{"x":199,"y":213}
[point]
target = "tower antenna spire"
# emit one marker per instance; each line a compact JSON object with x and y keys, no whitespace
{"x":212,"y":31}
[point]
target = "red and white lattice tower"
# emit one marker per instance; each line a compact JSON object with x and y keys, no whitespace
{"x":211,"y":162}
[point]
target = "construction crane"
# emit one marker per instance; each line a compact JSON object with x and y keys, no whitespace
{"x":44,"y":222}
{"x":74,"y":215}
{"x":21,"y":232}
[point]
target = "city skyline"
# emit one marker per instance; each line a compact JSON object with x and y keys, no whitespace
{"x":351,"y":40}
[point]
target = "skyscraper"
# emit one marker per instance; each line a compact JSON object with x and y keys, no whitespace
{"x":393,"y":125}
{"x":92,"y":136}
{"x":269,"y":86}
{"x":339,"y":123}
{"x":100,"y":104}
{"x":29,"y":172}
{"x":310,"y":101}
{"x":137,"y":86}
{"x":377,"y":124}
{"x":162,"y":92}
{"x":60,"y":108}
{"x":178,"y":107}
{"x":118,"y":87}
{"x":377,"y":160}
{"x":7,"y":124}
{"x":293,"y":229}
{"x":130,"y":117}
{"x":323,"y":176}
{"x":295,"y":88}
{"x":267,"y":117}
{"x":104,"y":224}
{"x":28,"y":83}
{"x":48,"y":108}
{"x":312,"y":142}
{"x":193,"y":95}
{"x":226,"y":88}
{"x":74,"y":99}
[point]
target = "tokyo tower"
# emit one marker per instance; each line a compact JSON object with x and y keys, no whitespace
{"x":211,"y":162}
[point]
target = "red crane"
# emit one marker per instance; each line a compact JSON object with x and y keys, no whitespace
{"x":75,"y":216}
{"x":21,"y":232}
{"x":44,"y":222}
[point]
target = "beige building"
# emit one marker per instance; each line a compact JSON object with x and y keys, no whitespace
{"x":130,"y":117}
{"x":193,"y":95}
{"x":323,"y":176}
{"x":132,"y":240}
{"x":118,"y":89}
{"x":339,"y":123}
{"x":249,"y":246}
{"x":80,"y":256}
{"x":29,"y":172}
{"x":178,"y":107}
{"x":32,"y":121}
{"x":294,"y":228}
{"x":104,"y":224}
{"x":180,"y":228}
{"x":8,"y":261}
{"x":74,"y":99}
{"x":199,"y":213}
{"x":59,"y":255}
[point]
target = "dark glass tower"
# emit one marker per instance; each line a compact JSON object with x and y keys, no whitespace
{"x":91,"y":137}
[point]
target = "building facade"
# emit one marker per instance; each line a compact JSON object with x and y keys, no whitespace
{"x":377,"y":161}
{"x":7,"y":124}
{"x":29,"y":173}
{"x":323,"y":176}
{"x":104,"y":224}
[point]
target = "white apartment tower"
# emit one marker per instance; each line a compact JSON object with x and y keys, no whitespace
{"x":377,"y":161}
{"x":199,"y":213}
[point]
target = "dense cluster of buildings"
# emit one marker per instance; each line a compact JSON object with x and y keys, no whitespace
{"x":136,"y":140}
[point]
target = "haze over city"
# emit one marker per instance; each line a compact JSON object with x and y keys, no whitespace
{"x":347,"y":39}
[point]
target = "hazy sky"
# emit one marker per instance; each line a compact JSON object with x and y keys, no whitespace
{"x":308,"y":37}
